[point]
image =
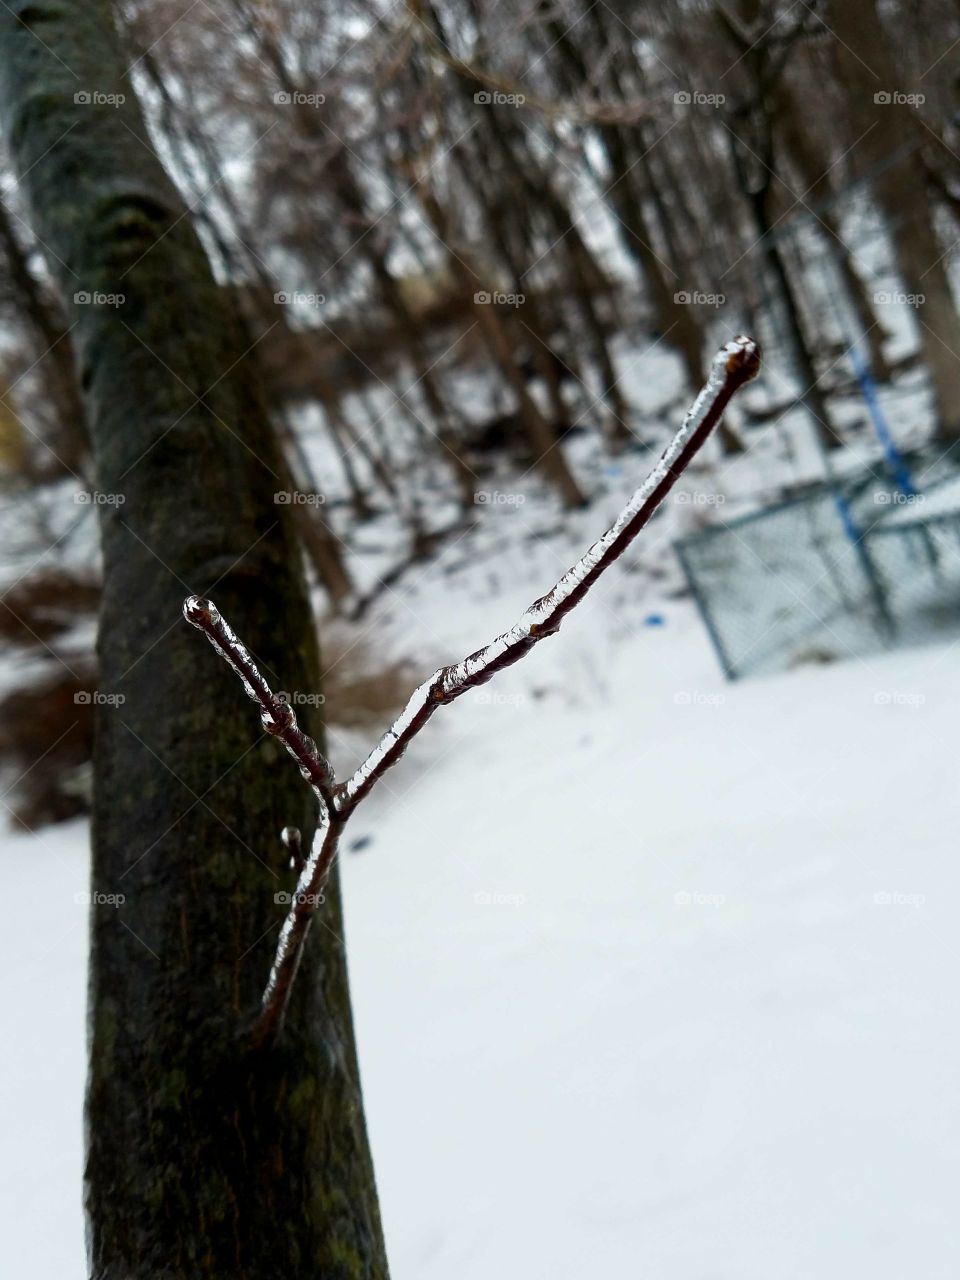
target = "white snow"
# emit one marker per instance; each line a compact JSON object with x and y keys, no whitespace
{"x":667,"y":986}
{"x":44,"y":892}
{"x":653,"y":975}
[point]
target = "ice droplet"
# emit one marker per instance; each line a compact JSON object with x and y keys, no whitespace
{"x":200,"y":612}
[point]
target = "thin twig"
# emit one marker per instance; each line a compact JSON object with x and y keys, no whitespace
{"x":735,"y":364}
{"x":307,"y":897}
{"x":276,"y":716}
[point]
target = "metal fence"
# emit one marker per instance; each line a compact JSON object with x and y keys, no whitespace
{"x":836,"y":570}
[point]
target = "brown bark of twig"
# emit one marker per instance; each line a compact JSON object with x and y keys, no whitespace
{"x":736,"y":363}
{"x":276,"y":716}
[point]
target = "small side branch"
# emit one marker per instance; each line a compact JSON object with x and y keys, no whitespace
{"x":735,"y":364}
{"x":308,"y":896}
{"x":276,"y":716}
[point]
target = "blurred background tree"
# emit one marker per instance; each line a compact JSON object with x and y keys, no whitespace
{"x":457,"y":238}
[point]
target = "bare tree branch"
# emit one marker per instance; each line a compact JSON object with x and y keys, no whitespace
{"x":576,"y":112}
{"x":735,"y":364}
{"x":276,"y":716}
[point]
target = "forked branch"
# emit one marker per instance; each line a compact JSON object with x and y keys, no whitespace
{"x":735,"y":364}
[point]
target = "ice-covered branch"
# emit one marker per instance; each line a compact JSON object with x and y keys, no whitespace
{"x":736,"y":363}
{"x":309,"y":895}
{"x":276,"y":716}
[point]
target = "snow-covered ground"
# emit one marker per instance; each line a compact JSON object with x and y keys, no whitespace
{"x":654,"y":975}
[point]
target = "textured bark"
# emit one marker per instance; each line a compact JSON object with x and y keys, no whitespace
{"x":204,"y":1158}
{"x":749,"y":130}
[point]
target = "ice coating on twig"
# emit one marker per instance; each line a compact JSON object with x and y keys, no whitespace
{"x":310,"y":885}
{"x":736,"y":363}
{"x":542,"y":612}
{"x":395,"y":738}
{"x":278,"y":718}
{"x":206,"y":617}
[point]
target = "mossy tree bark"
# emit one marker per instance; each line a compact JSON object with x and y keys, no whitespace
{"x":204,"y":1157}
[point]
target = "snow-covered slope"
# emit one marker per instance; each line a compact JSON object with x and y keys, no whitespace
{"x":653,"y":975}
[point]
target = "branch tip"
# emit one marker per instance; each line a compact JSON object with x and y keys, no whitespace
{"x":201,"y":613}
{"x":741,"y":358}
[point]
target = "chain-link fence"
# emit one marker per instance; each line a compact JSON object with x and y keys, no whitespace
{"x":837,"y":570}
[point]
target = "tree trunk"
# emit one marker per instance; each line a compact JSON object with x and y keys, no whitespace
{"x":814,"y":170}
{"x":204,"y":1157}
{"x":869,"y":69}
{"x":544,"y":441}
{"x":678,"y":327}
{"x":752,"y":162}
